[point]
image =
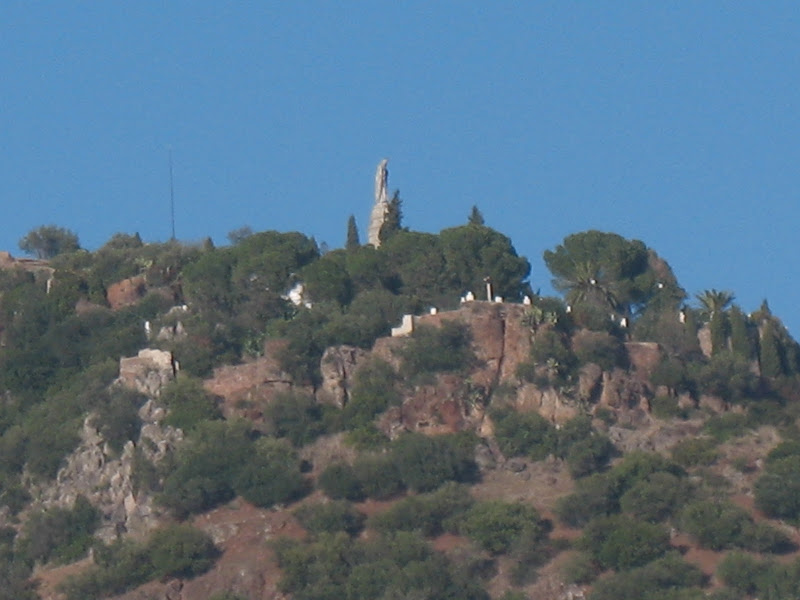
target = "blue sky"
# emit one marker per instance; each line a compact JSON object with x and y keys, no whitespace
{"x":675,"y":123}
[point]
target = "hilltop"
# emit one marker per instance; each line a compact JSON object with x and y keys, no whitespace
{"x":266,"y":420}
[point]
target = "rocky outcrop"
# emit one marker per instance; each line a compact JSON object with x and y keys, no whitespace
{"x":338,"y":367}
{"x":147,"y":372}
{"x":547,"y":402}
{"x":93,"y":470}
{"x":622,"y":392}
{"x":643,"y":357}
{"x":126,"y":292}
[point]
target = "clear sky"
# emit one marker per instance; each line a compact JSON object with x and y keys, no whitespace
{"x":677,"y":123}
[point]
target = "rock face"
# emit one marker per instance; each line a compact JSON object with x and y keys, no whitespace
{"x":644,"y":357}
{"x":547,"y":402}
{"x":339,"y":365}
{"x":148,"y":372}
{"x":126,"y":292}
{"x":93,"y":470}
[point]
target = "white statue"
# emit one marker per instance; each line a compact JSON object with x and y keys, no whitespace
{"x":381,"y":206}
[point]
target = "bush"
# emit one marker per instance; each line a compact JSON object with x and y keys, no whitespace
{"x":655,"y":498}
{"x":622,"y":543}
{"x":374,"y":390}
{"x":118,"y":420}
{"x":524,"y":434}
{"x":589,"y":455}
{"x":777,"y":491}
{"x":692,"y":452}
{"x":330,"y":517}
{"x":580,"y":569}
{"x":271,"y":475}
{"x":426,"y":513}
{"x":378,"y":475}
{"x":188,"y":403}
{"x":424,"y":462}
{"x":600,"y":348}
{"x":340,"y":482}
{"x":667,"y":578}
{"x":434,"y":350}
{"x":297,"y":417}
{"x":60,"y":534}
{"x":666,"y":407}
{"x":726,"y":426}
{"x":496,"y":525}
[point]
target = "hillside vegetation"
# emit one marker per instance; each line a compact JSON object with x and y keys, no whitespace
{"x":620,"y":441}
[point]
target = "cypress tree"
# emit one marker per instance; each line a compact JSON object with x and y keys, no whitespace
{"x":719,"y":332}
{"x":394,"y":218}
{"x":771,"y":354}
{"x":475,"y":217}
{"x":741,"y":340}
{"x":352,"y":234}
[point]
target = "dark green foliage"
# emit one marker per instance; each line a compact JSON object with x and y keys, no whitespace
{"x":419,"y":264}
{"x":667,"y":407}
{"x":605,"y":271}
{"x":672,"y":373}
{"x":374,"y":390}
{"x":271,"y":475}
{"x":622,"y":543}
{"x":326,"y":279}
{"x":728,"y":376}
{"x":433,"y":350}
{"x":719,"y":332}
{"x":352,"y":241}
{"x":474,"y":252}
{"x":761,"y":579}
{"x":426,"y":513}
{"x":48,"y":241}
{"x":693,"y":452}
{"x":188,"y":403}
{"x":728,"y":425}
{"x":475,"y":216}
{"x":60,"y":534}
{"x":524,"y":434}
{"x":496,"y":526}
{"x":550,"y":349}
{"x":777,"y":491}
{"x":296,"y":416}
{"x":393,"y":220}
{"x":668,"y":578}
{"x":330,"y":517}
{"x":772,"y":360}
{"x":173,"y":551}
{"x":378,"y":475}
{"x":719,"y":525}
{"x":118,"y":420}
{"x":589,"y":455}
{"x":340,"y":482}
{"x":600,"y":348}
{"x":265,"y":472}
{"x":397,"y":566}
{"x":742,"y":339}
{"x":656,"y":497}
{"x":424,"y":462}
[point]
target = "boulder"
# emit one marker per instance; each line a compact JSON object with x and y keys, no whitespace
{"x":338,"y":367}
{"x":126,"y":292}
{"x":148,"y":372}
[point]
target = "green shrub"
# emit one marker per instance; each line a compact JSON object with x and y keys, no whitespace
{"x":666,"y":407}
{"x":667,"y":578}
{"x":297,"y":417}
{"x":435,"y":350}
{"x":600,"y":348}
{"x":621,"y":543}
{"x":589,"y":455}
{"x":60,"y":534}
{"x":426,"y":462}
{"x":524,"y":434}
{"x":271,"y":475}
{"x":330,"y":517}
{"x":425,"y":512}
{"x":777,"y":491}
{"x":580,"y":569}
{"x":118,"y":420}
{"x":374,"y":390}
{"x":340,"y":482}
{"x":655,"y":498}
{"x":496,"y":525}
{"x":188,"y":403}
{"x":692,"y":452}
{"x":378,"y":475}
{"x":726,"y":426}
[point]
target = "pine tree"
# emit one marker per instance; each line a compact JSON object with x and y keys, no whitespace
{"x":475,"y":217}
{"x":352,"y":234}
{"x":771,"y":355}
{"x":394,"y":218}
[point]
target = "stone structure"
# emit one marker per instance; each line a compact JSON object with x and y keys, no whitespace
{"x":381,"y":206}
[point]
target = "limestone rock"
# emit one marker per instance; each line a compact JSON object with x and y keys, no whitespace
{"x":338,"y":367}
{"x":589,"y":379}
{"x":547,"y":402}
{"x":643,"y":357}
{"x":148,"y":372}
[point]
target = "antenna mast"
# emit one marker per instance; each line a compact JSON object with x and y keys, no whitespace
{"x":171,"y":196}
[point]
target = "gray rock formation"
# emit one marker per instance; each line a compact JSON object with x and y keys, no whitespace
{"x":338,"y":367}
{"x":148,"y":372}
{"x":381,"y":206}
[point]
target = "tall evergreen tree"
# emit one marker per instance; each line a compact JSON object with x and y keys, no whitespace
{"x":475,"y":217}
{"x":394,"y":218}
{"x":741,"y":340}
{"x":352,"y":234}
{"x":771,"y":354}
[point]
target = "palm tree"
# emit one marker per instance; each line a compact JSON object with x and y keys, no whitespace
{"x":713,"y":301}
{"x":586,"y":284}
